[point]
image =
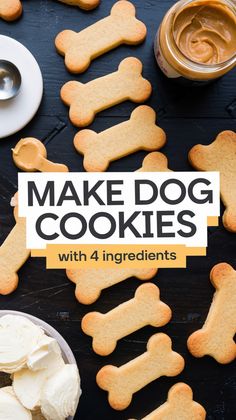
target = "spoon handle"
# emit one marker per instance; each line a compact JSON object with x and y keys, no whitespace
{"x":45,"y":165}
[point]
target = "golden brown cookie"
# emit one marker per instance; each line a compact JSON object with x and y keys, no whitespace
{"x":179,"y":406}
{"x":155,"y":162}
{"x":29,"y":155}
{"x":220,"y":156}
{"x":86,"y":100}
{"x":13,"y":254}
{"x":122,"y":382}
{"x":10,"y":9}
{"x":120,"y":27}
{"x":83,"y":4}
{"x":145,"y":308}
{"x":216,"y":337}
{"x":91,"y":281}
{"x":140,"y":132}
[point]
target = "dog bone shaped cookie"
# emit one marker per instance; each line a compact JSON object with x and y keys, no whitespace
{"x":121,"y":27}
{"x":179,"y":406}
{"x":13,"y":254}
{"x":138,"y":133}
{"x":155,"y":162}
{"x":144,"y":309}
{"x":216,"y":337}
{"x":10,"y":9}
{"x":90,"y":282}
{"x":122,"y":382}
{"x":220,"y":156}
{"x":85,"y":100}
{"x":31,"y":155}
{"x":83,"y":4}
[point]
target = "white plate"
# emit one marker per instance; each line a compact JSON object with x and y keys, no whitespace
{"x":17,"y":112}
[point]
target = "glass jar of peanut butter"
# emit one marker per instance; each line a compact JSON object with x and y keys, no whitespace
{"x":196,"y":40}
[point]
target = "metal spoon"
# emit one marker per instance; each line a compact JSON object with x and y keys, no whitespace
{"x":10,"y":80}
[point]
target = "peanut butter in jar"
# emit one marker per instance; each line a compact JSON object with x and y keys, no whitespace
{"x":196,"y":40}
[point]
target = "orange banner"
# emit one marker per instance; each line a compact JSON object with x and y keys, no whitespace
{"x":111,"y":256}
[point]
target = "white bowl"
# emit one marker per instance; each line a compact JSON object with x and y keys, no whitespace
{"x":67,"y":353}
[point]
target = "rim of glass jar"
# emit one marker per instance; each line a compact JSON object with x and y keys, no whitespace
{"x":181,"y":58}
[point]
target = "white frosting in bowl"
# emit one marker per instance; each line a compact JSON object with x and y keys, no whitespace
{"x":18,"y":338}
{"x":11,"y":408}
{"x":60,"y":393}
{"x":44,"y":386}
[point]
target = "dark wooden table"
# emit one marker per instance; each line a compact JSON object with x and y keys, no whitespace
{"x":189,"y":116}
